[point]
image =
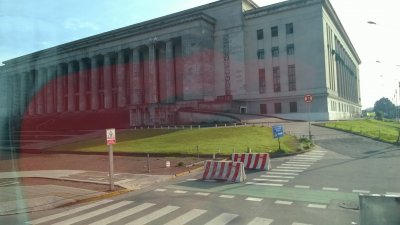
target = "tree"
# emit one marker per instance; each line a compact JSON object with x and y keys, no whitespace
{"x":385,"y":107}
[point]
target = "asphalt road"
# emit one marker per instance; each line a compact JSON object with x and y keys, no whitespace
{"x":319,"y":187}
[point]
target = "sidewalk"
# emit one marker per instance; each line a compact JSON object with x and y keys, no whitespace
{"x":21,"y":199}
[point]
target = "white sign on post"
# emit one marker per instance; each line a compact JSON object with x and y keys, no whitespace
{"x":110,"y":134}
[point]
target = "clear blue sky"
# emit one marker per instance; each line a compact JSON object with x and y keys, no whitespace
{"x":31,"y":25}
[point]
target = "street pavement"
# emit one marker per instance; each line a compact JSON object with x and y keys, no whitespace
{"x":318,"y":187}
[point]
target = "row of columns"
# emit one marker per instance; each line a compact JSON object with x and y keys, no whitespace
{"x":136,"y":76}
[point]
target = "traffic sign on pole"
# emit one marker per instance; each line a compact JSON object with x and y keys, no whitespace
{"x":308,"y":98}
{"x":110,"y":136}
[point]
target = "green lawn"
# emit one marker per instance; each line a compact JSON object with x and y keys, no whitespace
{"x":185,"y":141}
{"x":384,"y":131}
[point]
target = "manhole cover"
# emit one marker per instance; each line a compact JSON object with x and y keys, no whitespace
{"x":349,"y":205}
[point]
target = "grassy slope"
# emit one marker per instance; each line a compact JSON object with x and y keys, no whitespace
{"x":210,"y":140}
{"x":385,"y":131}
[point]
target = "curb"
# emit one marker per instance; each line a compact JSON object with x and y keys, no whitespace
{"x":100,"y":197}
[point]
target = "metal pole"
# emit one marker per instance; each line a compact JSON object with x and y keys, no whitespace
{"x":148,"y":163}
{"x":309,"y":122}
{"x":111,"y":174}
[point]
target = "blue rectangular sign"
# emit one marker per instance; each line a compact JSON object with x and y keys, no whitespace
{"x":278,"y":131}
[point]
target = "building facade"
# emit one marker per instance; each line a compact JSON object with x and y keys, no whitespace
{"x":226,"y":56}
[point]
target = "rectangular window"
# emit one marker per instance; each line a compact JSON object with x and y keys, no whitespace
{"x":260,"y":34}
{"x":274,"y":31}
{"x":260,"y":53}
{"x":292,"y":77}
{"x":290,"y":49}
{"x":278,"y":107}
{"x":263,"y":108}
{"x":293,"y":107}
{"x":289,"y":28}
{"x":275,"y":51}
{"x":261,"y":80}
{"x":276,"y":79}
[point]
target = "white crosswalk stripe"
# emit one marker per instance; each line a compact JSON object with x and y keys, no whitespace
{"x":290,"y":167}
{"x":68,"y":212}
{"x":271,"y":180}
{"x":296,"y":164}
{"x":123,"y":214}
{"x":277,"y":176}
{"x":185,"y":218}
{"x":222,"y":219}
{"x":93,"y":213}
{"x":259,"y":220}
{"x":285,"y":170}
{"x":282,"y":173}
{"x":154,"y":215}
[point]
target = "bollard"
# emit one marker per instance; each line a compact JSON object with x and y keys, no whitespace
{"x":199,"y":126}
{"x":148,"y":163}
{"x":197,"y":148}
{"x":225,"y":125}
{"x":167,"y":164}
{"x":213,"y":155}
{"x":235,"y":124}
{"x":216,"y":125}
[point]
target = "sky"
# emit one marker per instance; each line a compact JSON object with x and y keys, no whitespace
{"x":27,"y":26}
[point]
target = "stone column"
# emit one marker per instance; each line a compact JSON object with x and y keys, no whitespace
{"x":40,"y":78}
{"x":135,"y":80}
{"x":121,"y":79}
{"x":107,"y":82}
{"x":151,"y":90}
{"x":51,"y":72}
{"x":24,"y":92}
{"x":82,"y":85}
{"x":169,"y":72}
{"x":60,"y":88}
{"x":71,"y":88}
{"x":94,"y":84}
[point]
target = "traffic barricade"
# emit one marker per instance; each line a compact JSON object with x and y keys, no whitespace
{"x":224,"y":170}
{"x":256,"y":161}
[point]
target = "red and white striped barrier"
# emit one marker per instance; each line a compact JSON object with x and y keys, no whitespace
{"x":257,"y":161}
{"x":224,"y":170}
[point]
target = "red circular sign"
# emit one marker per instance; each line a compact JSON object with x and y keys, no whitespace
{"x":308,"y":98}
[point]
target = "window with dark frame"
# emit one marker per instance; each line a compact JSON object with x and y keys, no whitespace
{"x":289,"y":28}
{"x":290,"y":49}
{"x":276,"y":77}
{"x":278,"y":107}
{"x":261,"y":80}
{"x":260,"y":34}
{"x":292,"y":77}
{"x":275,"y":51}
{"x":274,"y":31}
{"x":263,"y":108}
{"x":293,"y":107}
{"x":260,"y":54}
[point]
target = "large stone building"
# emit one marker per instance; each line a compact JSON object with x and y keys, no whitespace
{"x":226,"y":56}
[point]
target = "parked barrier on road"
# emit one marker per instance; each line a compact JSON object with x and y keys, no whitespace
{"x":224,"y":170}
{"x":257,"y":161}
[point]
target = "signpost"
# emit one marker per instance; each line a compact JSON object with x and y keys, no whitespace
{"x":308,"y":99}
{"x":278,"y":132}
{"x":111,"y":140}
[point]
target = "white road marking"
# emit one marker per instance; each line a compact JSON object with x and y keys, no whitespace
{"x":180,"y":192}
{"x":93,"y":213}
{"x":259,"y":220}
{"x":272,"y":180}
{"x":361,"y":191}
{"x":226,"y":196}
{"x":264,"y":184}
{"x":295,"y":223}
{"x":302,"y":161}
{"x":296,"y":164}
{"x":160,"y":190}
{"x":291,"y":167}
{"x":330,"y":189}
{"x":276,"y":176}
{"x":283,"y":202}
{"x":285,"y":170}
{"x":8,"y":183}
{"x":307,"y":158}
{"x":375,"y":195}
{"x":185,"y":218}
{"x":302,"y":186}
{"x":191,"y":179}
{"x":68,"y":212}
{"x":281,"y":173}
{"x":154,"y":215}
{"x":222,"y":219}
{"x":202,"y":193}
{"x":123,"y":214}
{"x":317,"y":206}
{"x":254,"y":199}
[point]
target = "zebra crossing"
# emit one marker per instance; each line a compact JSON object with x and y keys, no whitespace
{"x":135,"y":213}
{"x":282,"y":174}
